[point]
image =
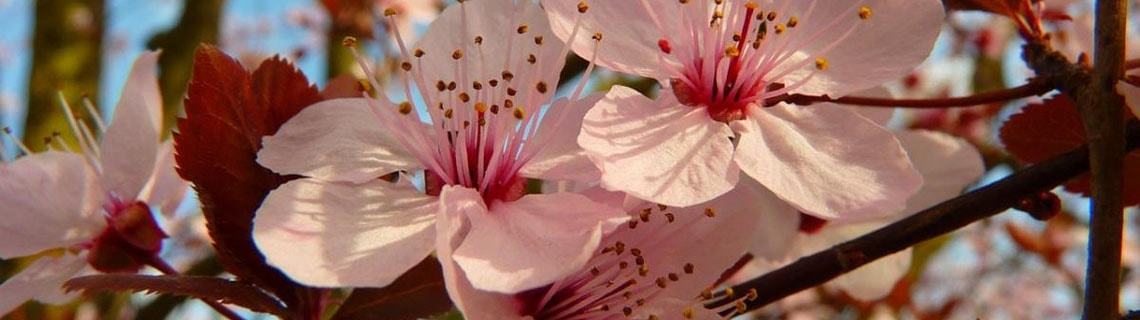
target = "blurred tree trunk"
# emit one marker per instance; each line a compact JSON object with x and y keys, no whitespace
{"x":67,"y":57}
{"x":350,"y":18}
{"x":200,"y":23}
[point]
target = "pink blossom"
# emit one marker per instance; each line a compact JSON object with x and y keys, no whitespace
{"x":484,"y":70}
{"x":661,"y":264}
{"x":726,"y":66}
{"x":72,"y":201}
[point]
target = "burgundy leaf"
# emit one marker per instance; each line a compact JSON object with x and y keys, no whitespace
{"x":1044,"y":130}
{"x":201,"y":287}
{"x":228,"y":111}
{"x":417,"y":294}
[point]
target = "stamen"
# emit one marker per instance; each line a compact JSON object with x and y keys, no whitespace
{"x":19,"y":144}
{"x":94,"y":114}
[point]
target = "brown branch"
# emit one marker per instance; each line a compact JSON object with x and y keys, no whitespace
{"x":943,"y":218}
{"x":1100,"y":112}
{"x":1033,"y":88}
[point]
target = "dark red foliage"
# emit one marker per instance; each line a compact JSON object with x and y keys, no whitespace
{"x":1044,"y":130}
{"x":205,"y":288}
{"x":228,"y":111}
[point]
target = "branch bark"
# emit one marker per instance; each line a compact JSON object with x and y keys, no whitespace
{"x":66,"y":54}
{"x":943,"y":218}
{"x":1100,"y":112}
{"x":200,"y":23}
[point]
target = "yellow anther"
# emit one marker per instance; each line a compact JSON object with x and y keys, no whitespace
{"x":480,"y":107}
{"x":583,"y":7}
{"x":405,"y":107}
{"x":389,"y":12}
{"x":349,"y":42}
{"x":865,"y":12}
{"x":457,"y":54}
{"x":821,"y":63}
{"x":519,"y":113}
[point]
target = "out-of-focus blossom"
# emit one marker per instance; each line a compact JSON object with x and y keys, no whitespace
{"x":484,"y":70}
{"x":726,"y":67}
{"x":96,"y":205}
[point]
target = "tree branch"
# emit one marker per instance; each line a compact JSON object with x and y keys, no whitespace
{"x":1100,"y":112}
{"x":943,"y":218}
{"x":1033,"y":88}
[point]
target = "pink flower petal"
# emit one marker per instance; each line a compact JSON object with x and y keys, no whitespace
{"x":41,"y":281}
{"x":947,"y":164}
{"x":629,"y":46}
{"x":166,"y":189}
{"x":779,"y":221}
{"x":826,"y":161}
{"x":659,"y":151}
{"x":131,"y":141}
{"x":871,"y":281}
{"x":896,"y":37}
{"x":497,"y":22}
{"x":335,"y":140}
{"x":533,"y":241}
{"x":451,"y":229}
{"x":561,"y":158}
{"x":331,"y":234}
{"x":51,"y":200}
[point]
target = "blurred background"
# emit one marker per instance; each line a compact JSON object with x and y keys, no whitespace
{"x":1008,"y":267}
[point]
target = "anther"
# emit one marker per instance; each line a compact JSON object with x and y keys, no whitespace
{"x":522,"y":29}
{"x":597,"y":36}
{"x":480,"y":107}
{"x":476,"y":85}
{"x":463,"y":96}
{"x":419,"y":53}
{"x":407,"y":66}
{"x":540,"y":86}
{"x":439,"y":85}
{"x":507,"y":75}
{"x":531,"y":59}
{"x":448,"y":113}
{"x":663,"y":44}
{"x":538,"y":40}
{"x":771,"y":16}
{"x":821,"y":63}
{"x":451,"y":86}
{"x":478,"y":40}
{"x":632,"y":224}
{"x":348,"y":42}
{"x":688,"y":268}
{"x":793,"y":21}
{"x":511,"y":92}
{"x":519,"y":114}
{"x":493,"y":83}
{"x":405,"y":107}
{"x":627,"y":311}
{"x":709,"y":212}
{"x":865,"y":12}
{"x":508,"y":103}
{"x":389,"y":12}
{"x":583,"y":7}
{"x":669,"y":217}
{"x":457,"y":54}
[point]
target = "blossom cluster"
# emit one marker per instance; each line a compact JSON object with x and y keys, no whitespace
{"x":536,"y":199}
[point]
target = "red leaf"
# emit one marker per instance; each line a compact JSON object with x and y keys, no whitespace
{"x":228,"y":111}
{"x":205,"y":288}
{"x":417,"y":294}
{"x":1044,"y":130}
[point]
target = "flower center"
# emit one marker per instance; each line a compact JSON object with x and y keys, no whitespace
{"x":733,"y":54}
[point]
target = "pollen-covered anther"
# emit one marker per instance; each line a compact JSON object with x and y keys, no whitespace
{"x":480,"y":107}
{"x":419,"y":53}
{"x":710,"y":212}
{"x":752,"y":295}
{"x":348,"y":42}
{"x":405,"y":107}
{"x":522,"y":29}
{"x":751,"y":5}
{"x":519,"y":113}
{"x":478,"y":40}
{"x":583,"y":7}
{"x":463,"y":96}
{"x":597,"y":36}
{"x":793,"y":22}
{"x":457,"y":54}
{"x":865,"y":12}
{"x":821,"y":63}
{"x":779,"y":28}
{"x":390,"y":12}
{"x":541,"y":87}
{"x":407,"y":66}
{"x":687,"y":313}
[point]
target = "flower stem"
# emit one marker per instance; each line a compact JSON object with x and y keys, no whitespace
{"x":1033,"y":88}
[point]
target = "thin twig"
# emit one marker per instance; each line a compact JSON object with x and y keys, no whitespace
{"x":1100,"y":113}
{"x":157,"y":263}
{"x":943,"y":218}
{"x":1033,"y":88}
